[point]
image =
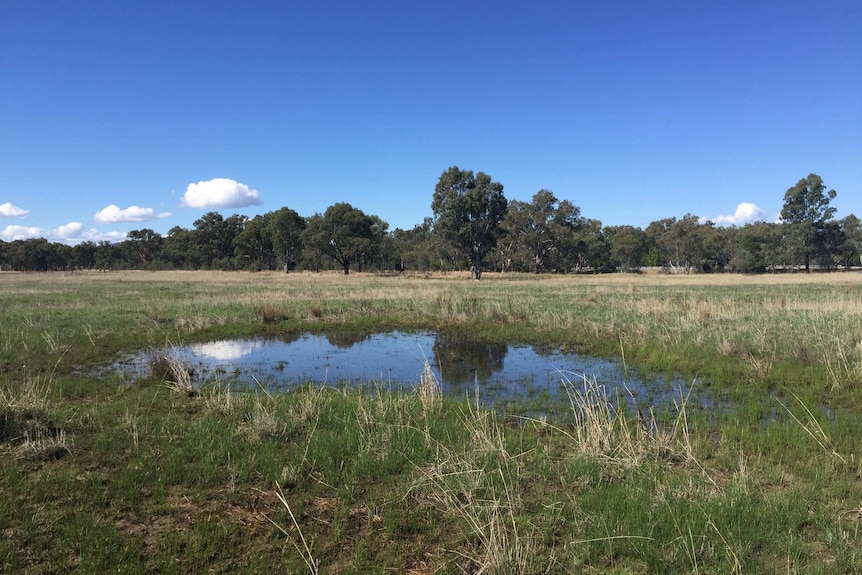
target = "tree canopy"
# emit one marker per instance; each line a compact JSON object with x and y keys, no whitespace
{"x":468,"y":210}
{"x":343,"y":233}
{"x":807,"y":210}
{"x":474,"y":227}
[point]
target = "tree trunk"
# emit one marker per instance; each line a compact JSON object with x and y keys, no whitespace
{"x":476,"y":268}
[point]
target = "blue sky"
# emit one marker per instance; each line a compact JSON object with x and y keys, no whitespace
{"x":122,"y":115}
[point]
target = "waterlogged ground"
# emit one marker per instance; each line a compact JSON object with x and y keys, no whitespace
{"x":493,"y":372}
{"x":144,"y":477}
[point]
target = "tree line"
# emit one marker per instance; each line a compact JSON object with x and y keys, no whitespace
{"x":474,"y":227}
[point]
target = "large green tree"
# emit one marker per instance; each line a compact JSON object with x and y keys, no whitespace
{"x":143,"y":247}
{"x":286,"y":228}
{"x":344,"y":233}
{"x":586,"y":248}
{"x":536,"y":230}
{"x":628,"y":246}
{"x":214,"y":238}
{"x":680,"y":242}
{"x":416,"y":248}
{"x":181,"y":249}
{"x":852,"y":248}
{"x":253,"y":245}
{"x":806,"y":210}
{"x":468,"y":210}
{"x":757,"y":248}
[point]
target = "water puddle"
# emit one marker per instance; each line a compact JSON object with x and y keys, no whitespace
{"x":495,"y":373}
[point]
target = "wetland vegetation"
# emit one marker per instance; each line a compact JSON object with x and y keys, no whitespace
{"x":156,"y":477}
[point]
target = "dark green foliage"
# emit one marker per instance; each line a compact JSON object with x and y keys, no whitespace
{"x":806,"y":210}
{"x":343,"y":233}
{"x":285,"y":228}
{"x":468,"y":210}
{"x":474,"y":227}
{"x":758,"y":248}
{"x":628,"y":246}
{"x":536,"y":232}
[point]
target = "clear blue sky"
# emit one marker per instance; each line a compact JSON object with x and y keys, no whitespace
{"x":634,"y":111}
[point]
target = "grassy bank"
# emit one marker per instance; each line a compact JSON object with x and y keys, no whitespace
{"x":99,"y":473}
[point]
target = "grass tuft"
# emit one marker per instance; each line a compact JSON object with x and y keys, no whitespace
{"x":605,"y":428}
{"x":429,"y":391}
{"x":271,"y":314}
{"x":170,"y":370}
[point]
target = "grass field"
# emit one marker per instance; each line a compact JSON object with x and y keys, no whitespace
{"x":101,"y":475}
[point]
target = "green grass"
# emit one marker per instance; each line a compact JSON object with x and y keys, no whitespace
{"x":101,"y":474}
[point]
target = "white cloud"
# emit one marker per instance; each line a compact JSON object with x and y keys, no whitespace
{"x":225,"y":350}
{"x":72,"y":233}
{"x":219,"y":193}
{"x":113,"y":214}
{"x":7,"y":210}
{"x":746,"y":213}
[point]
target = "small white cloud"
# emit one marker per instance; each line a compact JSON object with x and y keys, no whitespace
{"x":746,"y":213}
{"x":113,"y":214}
{"x":7,"y":210}
{"x":219,"y":193}
{"x":225,"y":350}
{"x":72,"y":233}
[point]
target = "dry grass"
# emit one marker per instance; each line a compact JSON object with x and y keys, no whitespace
{"x":604,"y":430}
{"x":31,"y":391}
{"x":481,"y":486}
{"x":170,"y":370}
{"x":263,"y":421}
{"x":25,"y":418}
{"x":220,"y":399}
{"x":429,"y":390}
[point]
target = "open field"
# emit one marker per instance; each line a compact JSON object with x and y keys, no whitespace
{"x":103,"y":475}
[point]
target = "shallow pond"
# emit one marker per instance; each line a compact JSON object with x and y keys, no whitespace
{"x":493,"y":372}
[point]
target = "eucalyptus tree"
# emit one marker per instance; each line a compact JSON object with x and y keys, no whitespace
{"x":680,"y":242}
{"x":657,"y":254}
{"x":181,"y":249}
{"x":344,"y":233}
{"x":214,"y":238}
{"x":253,"y":246}
{"x":380,"y":253}
{"x":36,"y":254}
{"x":415,"y":248}
{"x":83,"y":255}
{"x":757,"y":248}
{"x":586,"y":248}
{"x":806,"y":210}
{"x":468,"y":210}
{"x":829,"y":247}
{"x":852,"y":248}
{"x":108,"y":256}
{"x":628,"y":246}
{"x":143,"y":247}
{"x":538,"y":229}
{"x":717,"y":245}
{"x":285,"y":228}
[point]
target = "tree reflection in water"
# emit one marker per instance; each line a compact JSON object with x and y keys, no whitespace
{"x":492,"y":371}
{"x":462,"y":359}
{"x":345,"y":339}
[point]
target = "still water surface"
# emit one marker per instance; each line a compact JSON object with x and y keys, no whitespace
{"x":494,"y":372}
